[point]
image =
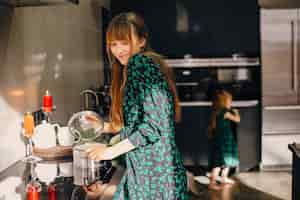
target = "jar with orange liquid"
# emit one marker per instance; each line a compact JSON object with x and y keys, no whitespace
{"x":28,"y":131}
{"x":28,"y":125}
{"x":33,"y":187}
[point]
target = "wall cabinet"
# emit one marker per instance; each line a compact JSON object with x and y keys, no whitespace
{"x":280,"y":56}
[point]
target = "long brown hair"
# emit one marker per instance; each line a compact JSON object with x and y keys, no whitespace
{"x":219,"y":102}
{"x":123,"y":27}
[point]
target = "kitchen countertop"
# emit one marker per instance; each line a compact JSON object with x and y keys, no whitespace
{"x":14,"y":179}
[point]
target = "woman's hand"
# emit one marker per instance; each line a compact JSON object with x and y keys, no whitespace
{"x":100,"y":153}
{"x":109,"y":153}
{"x":95,"y":190}
{"x":91,"y":118}
{"x":90,"y":121}
{"x":108,"y":128}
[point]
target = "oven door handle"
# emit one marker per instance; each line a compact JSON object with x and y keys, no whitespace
{"x":186,"y":83}
{"x":247,"y":103}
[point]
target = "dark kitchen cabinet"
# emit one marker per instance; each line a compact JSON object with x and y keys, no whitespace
{"x":198,"y":29}
{"x":280,"y":56}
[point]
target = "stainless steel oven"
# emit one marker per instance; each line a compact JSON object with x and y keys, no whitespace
{"x":196,"y":81}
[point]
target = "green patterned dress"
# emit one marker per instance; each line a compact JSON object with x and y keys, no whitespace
{"x":224,"y":152}
{"x":154,"y":170}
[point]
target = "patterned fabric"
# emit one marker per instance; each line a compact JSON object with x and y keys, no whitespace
{"x":154,"y":170}
{"x":224,"y":152}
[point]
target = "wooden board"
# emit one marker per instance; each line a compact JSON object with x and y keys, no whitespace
{"x":52,"y":153}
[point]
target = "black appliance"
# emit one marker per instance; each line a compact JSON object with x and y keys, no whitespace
{"x":197,"y":80}
{"x":201,"y":29}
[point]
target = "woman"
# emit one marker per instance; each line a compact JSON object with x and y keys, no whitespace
{"x":144,"y":108}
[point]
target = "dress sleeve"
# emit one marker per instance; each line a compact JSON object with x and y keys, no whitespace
{"x":153,"y":101}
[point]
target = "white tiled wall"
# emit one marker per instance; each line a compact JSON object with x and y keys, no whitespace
{"x":56,"y":48}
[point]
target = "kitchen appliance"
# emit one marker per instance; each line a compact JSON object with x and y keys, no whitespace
{"x":198,"y":79}
{"x":196,"y":82}
{"x":86,"y":126}
{"x":85,"y":170}
{"x":234,"y":75}
{"x":45,"y":135}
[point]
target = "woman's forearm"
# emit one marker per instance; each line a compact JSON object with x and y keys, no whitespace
{"x":109,"y":153}
{"x":122,"y":147}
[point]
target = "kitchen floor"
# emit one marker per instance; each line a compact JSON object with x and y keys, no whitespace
{"x":248,"y":186}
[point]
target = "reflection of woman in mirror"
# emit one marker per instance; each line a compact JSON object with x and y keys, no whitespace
{"x":224,"y":152}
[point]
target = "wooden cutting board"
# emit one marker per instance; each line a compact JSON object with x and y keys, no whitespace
{"x":52,"y":153}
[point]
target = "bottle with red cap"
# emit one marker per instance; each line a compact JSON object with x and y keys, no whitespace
{"x":52,"y":192}
{"x":33,"y":191}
